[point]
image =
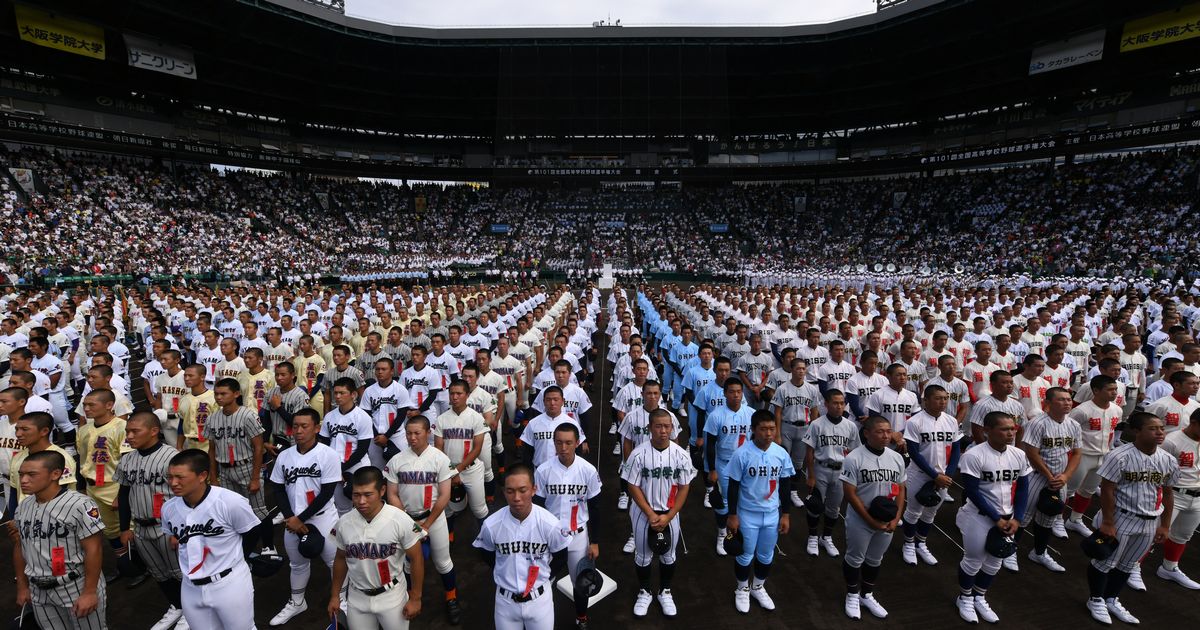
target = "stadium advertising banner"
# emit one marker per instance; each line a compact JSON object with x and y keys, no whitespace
{"x":151,"y":55}
{"x":54,"y":31}
{"x":500,"y":228}
{"x":1075,"y":51}
{"x":1162,"y":28}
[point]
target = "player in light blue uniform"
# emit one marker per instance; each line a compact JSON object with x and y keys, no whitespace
{"x":696,"y":376}
{"x":666,"y":346}
{"x":754,"y":477}
{"x":680,"y":357}
{"x":726,"y":430}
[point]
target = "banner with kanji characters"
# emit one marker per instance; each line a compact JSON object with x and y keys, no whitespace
{"x":1162,"y":28}
{"x":151,"y":55}
{"x":60,"y":33}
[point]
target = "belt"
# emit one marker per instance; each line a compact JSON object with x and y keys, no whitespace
{"x":212,"y":578}
{"x":234,"y":464}
{"x":1136,"y":515}
{"x":46,"y":583}
{"x":379,"y":590}
{"x":797,"y":423}
{"x":421,"y":516}
{"x":1191,"y":492}
{"x":146,"y":522}
{"x":577,"y":530}
{"x":520,"y":599}
{"x":831,"y":465}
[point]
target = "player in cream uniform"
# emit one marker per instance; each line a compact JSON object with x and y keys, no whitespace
{"x":1184,"y":446}
{"x":933,"y":438}
{"x":1097,"y":419}
{"x":171,"y":394}
{"x":461,"y":434}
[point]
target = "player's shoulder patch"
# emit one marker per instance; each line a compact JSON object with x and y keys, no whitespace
{"x":94,"y":512}
{"x":417,"y":528}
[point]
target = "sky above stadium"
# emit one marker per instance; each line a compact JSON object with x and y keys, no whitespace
{"x":485,"y":13}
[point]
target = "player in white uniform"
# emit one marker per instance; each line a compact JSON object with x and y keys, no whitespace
{"x":934,"y":439}
{"x":995,"y":483}
{"x":374,"y":542}
{"x":347,"y":429}
{"x":461,"y":433}
{"x":1184,"y":446}
{"x":1051,"y":442}
{"x":659,"y":473}
{"x":1097,"y":419}
{"x":518,"y":542}
{"x":536,"y":443}
{"x":796,"y":402}
{"x":829,"y":439}
{"x":212,"y":528}
{"x":306,"y":477}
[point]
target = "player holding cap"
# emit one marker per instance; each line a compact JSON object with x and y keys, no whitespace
{"x":933,"y":439}
{"x":996,"y":485}
{"x":829,"y":439}
{"x":1135,"y":510}
{"x":347,"y":430}
{"x":726,"y":429}
{"x":1051,"y":443}
{"x":872,"y":474}
{"x":235,"y":451}
{"x":142,"y":475}
{"x":419,"y":483}
{"x":373,"y":542}
{"x":518,"y":542}
{"x":1184,"y":446}
{"x":212,"y":528}
{"x":755,"y":476}
{"x":1097,"y":419}
{"x":58,"y":560}
{"x":305,"y":477}
{"x":461,"y":433}
{"x":796,"y":403}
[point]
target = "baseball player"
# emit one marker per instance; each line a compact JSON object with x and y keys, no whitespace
{"x":1184,"y":446}
{"x":1176,"y":408}
{"x":536,"y":443}
{"x":374,"y":541}
{"x":1051,"y":443}
{"x":57,"y":561}
{"x":754,"y":476}
{"x":1097,"y":419}
{"x":310,"y":368}
{"x":829,"y":439}
{"x":569,"y":488}
{"x":419,"y":483}
{"x":235,"y":449}
{"x":33,"y":436}
{"x":100,"y":443}
{"x":518,"y":542}
{"x":635,"y":429}
{"x":347,"y":429}
{"x":659,"y":473}
{"x":796,"y":403}
{"x":1136,"y":508}
{"x":212,"y":528}
{"x":283,"y":401}
{"x":871,"y":474}
{"x":934,"y":440}
{"x":388,"y":404}
{"x":170,"y":394}
{"x":142,"y":475}
{"x":198,"y":404}
{"x":461,"y":434}
{"x":753,"y":368}
{"x":998,"y":399}
{"x":305,"y":477}
{"x":996,"y":484}
{"x":484,"y":403}
{"x":726,"y":429}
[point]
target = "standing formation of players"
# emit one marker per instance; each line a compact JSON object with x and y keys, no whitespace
{"x":366,"y":422}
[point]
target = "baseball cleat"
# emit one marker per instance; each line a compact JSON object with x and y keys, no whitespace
{"x":1178,"y":577}
{"x":812,"y":546}
{"x":759,"y":594}
{"x":909,"y":552}
{"x":667,"y":602}
{"x":1045,"y":560}
{"x":966,"y":608}
{"x":984,"y":610}
{"x":168,"y":620}
{"x":852,"y":606}
{"x":1099,"y":610}
{"x":925,"y":554}
{"x":1010,"y":563}
{"x":741,"y":599}
{"x":873,"y":606}
{"x":1135,"y":580}
{"x":290,"y":609}
{"x":642,"y":605}
{"x":1117,"y":610}
{"x":1078,"y":527}
{"x":829,"y":547}
{"x":629,"y":545}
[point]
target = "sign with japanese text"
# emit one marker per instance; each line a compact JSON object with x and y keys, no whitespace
{"x":1077,"y":50}
{"x":151,"y":55}
{"x":1162,"y":28}
{"x":60,"y":33}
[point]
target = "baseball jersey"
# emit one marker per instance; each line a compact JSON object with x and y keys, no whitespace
{"x":629,"y":398}
{"x":255,"y":388}
{"x":458,"y":432}
{"x":990,"y":403}
{"x":1174,"y":414}
{"x":145,"y":472}
{"x":730,"y":428}
{"x":522,"y":548}
{"x":303,"y":474}
{"x":636,"y":425}
{"x":18,"y":458}
{"x":274,"y":355}
{"x":863,"y":385}
{"x":1096,"y":426}
{"x":539,"y":434}
{"x":231,"y":434}
{"x":1030,"y":393}
{"x":52,"y":533}
{"x":757,"y":367}
{"x":567,"y":490}
{"x":874,"y":474}
{"x":1054,"y":440}
{"x":231,"y":369}
{"x":309,"y":370}
{"x":1140,"y":478}
{"x":100,"y":448}
{"x":446,"y":366}
{"x":375,"y":549}
{"x":799,"y":404}
{"x":955,"y":387}
{"x":345,"y":430}
{"x":195,"y":417}
{"x":209,"y":533}
{"x":481,"y":401}
{"x":575,"y":401}
{"x":1186,"y":452}
{"x":417,"y":477}
{"x":696,"y":377}
{"x":711,"y":398}
{"x":8,"y":447}
{"x":509,"y":367}
{"x":837,"y":375}
{"x":290,"y":402}
{"x":997,"y":472}
{"x":419,"y":383}
{"x":659,"y":473}
{"x":832,"y":441}
{"x":978,"y":379}
{"x":935,"y":438}
{"x":172,"y":391}
{"x":495,"y":384}
{"x":1059,"y":376}
{"x":896,"y":406}
{"x":384,"y":403}
{"x":758,"y":472}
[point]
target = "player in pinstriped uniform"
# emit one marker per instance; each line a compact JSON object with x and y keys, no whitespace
{"x":933,"y":437}
{"x":870,"y":471}
{"x":235,"y":452}
{"x":1136,"y":505}
{"x":142,"y":474}
{"x":796,"y":403}
{"x":659,"y":473}
{"x":829,"y":439}
{"x":1051,"y":442}
{"x":57,"y":562}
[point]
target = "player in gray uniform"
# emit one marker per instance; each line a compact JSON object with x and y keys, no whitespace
{"x":872,"y":474}
{"x":142,"y":474}
{"x":1051,"y":443}
{"x":235,"y":453}
{"x":829,"y":439}
{"x":796,"y":402}
{"x":753,"y":368}
{"x":58,"y":560}
{"x":1136,"y":505}
{"x":283,"y":401}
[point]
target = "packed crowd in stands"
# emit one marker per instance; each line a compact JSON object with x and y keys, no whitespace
{"x":1129,"y":215}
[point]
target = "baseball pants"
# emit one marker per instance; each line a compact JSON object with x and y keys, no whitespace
{"x":472,"y":480}
{"x":108,"y":515}
{"x":760,"y":532}
{"x":154,"y":550}
{"x":52,"y":607}
{"x":577,"y":550}
{"x":485,"y":456}
{"x":914,"y":511}
{"x":237,"y":479}
{"x":829,"y":482}
{"x":722,"y":486}
{"x":1087,"y":476}
{"x":642,"y":555}
{"x":301,"y":567}
{"x":792,"y":437}
{"x":1036,"y":484}
{"x":1185,"y":519}
{"x":535,"y":614}
{"x":221,"y":605}
{"x":439,"y":545}
{"x":864,"y":544}
{"x":974,"y":528}
{"x":381,"y":612}
{"x":1135,"y":536}
{"x":58,"y":409}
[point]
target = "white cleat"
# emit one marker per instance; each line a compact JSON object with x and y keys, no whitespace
{"x":721,"y":545}
{"x":623,"y":502}
{"x":966,"y":608}
{"x":1046,"y":561}
{"x":642,"y":605}
{"x":168,"y":620}
{"x":873,"y":606}
{"x":1117,"y":610}
{"x":925,"y":554}
{"x":667,"y":602}
{"x":741,"y":599}
{"x":612,"y":429}
{"x":629,"y":545}
{"x":1010,"y":564}
{"x":617,"y":448}
{"x":759,"y":594}
{"x":984,"y":610}
{"x":278,"y":519}
{"x":1057,"y":528}
{"x":1135,"y":581}
{"x":290,"y":609}
{"x":908,"y":551}
{"x":1078,"y":527}
{"x":707,"y":499}
{"x":796,"y":500}
{"x":683,"y":412}
{"x":1099,"y":610}
{"x":812,"y":546}
{"x":852,"y":606}
{"x":829,"y":547}
{"x":1178,"y":577}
